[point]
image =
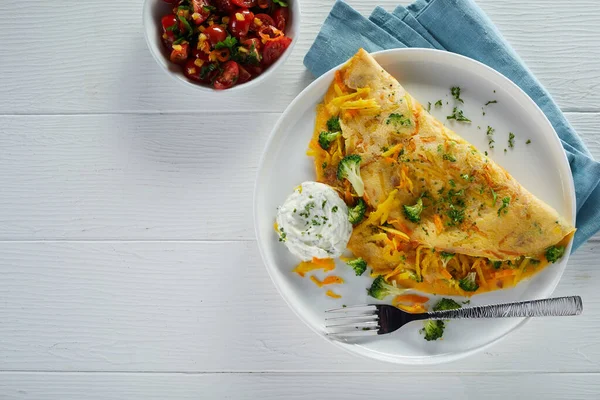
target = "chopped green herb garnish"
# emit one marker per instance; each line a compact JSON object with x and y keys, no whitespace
{"x":504,"y":206}
{"x":228,"y":43}
{"x":209,"y":8}
{"x":188,"y":28}
{"x":458,"y":116}
{"x":206,"y":70}
{"x":491,"y":102}
{"x":449,"y":157}
{"x":494,"y":196}
{"x":334,"y":209}
{"x":452,"y":183}
{"x":281,"y":3}
{"x":438,"y":103}
{"x":282,"y":235}
{"x":456,"y":216}
{"x":528,"y":141}
{"x":511,"y":140}
{"x":428,"y":106}
{"x":398,"y":119}
{"x":456,"y":93}
{"x":490,"y":135}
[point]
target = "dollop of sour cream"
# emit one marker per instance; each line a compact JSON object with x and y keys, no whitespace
{"x":313,"y":222}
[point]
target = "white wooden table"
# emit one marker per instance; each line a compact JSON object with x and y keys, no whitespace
{"x":128,"y":264}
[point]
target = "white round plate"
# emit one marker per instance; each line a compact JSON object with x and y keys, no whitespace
{"x":541,"y":167}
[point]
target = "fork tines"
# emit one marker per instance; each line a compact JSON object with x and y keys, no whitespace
{"x":353,"y":321}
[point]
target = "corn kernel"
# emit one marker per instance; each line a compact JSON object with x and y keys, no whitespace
{"x":257,"y":22}
{"x":164,"y":36}
{"x":195,"y":16}
{"x":225,"y":20}
{"x":242,"y":49}
{"x":239,"y":16}
{"x":202,"y":37}
{"x":202,"y":28}
{"x":177,"y":47}
{"x":198,"y":62}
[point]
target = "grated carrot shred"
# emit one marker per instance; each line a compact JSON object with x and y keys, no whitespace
{"x":447,"y":274}
{"x":504,"y":273}
{"x":308,"y":266}
{"x":329,"y":280}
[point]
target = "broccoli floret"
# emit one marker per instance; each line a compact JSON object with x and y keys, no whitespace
{"x":325,"y":139}
{"x":380,"y":289}
{"x":446,"y":304}
{"x":468,"y":283}
{"x":349,"y":168}
{"x":553,"y":253}
{"x":433,"y":330}
{"x":333,"y":124}
{"x":446,"y":257}
{"x":357,"y":213}
{"x":496,"y":264}
{"x":358,"y":265}
{"x":413,"y":213}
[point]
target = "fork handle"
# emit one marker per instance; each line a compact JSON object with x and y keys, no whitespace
{"x":555,"y":307}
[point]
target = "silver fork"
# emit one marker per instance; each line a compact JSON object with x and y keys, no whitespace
{"x":380,"y":319}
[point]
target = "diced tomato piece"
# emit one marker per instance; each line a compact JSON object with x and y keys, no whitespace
{"x":197,"y":53}
{"x":192,"y":71}
{"x":225,"y":6}
{"x":264,"y":4}
{"x":254,"y":70}
{"x":244,"y":3}
{"x":168,"y":21}
{"x":281,"y":16}
{"x":261,"y":20}
{"x":216,"y":33}
{"x":201,"y":12}
{"x":228,"y":77}
{"x":273,"y":49}
{"x":252,"y":42}
{"x":240,"y":27}
{"x":244,"y":75}
{"x":180,"y":53}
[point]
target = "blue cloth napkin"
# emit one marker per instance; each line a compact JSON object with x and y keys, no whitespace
{"x":459,"y":26}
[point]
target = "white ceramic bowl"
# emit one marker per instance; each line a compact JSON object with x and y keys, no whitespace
{"x":154,"y":10}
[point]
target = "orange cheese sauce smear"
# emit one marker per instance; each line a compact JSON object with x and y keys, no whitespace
{"x":307,"y":266}
{"x":332,"y":294}
{"x":330,"y":280}
{"x":412,"y":303}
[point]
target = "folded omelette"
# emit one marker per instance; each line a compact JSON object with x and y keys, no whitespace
{"x":439,"y":211}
